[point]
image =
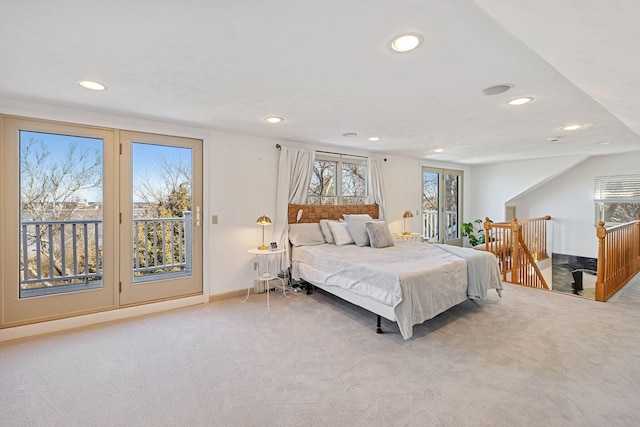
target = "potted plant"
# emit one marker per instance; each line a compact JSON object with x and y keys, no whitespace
{"x":474,"y":231}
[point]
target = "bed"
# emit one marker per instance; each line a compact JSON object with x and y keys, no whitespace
{"x":404,"y":281}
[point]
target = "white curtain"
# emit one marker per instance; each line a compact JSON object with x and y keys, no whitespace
{"x":376,"y":186}
{"x":294,"y":177}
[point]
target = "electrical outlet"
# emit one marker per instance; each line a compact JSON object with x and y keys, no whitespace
{"x":255,"y":265}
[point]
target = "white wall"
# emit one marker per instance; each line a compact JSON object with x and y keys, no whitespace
{"x":241,"y":187}
{"x":496,"y":184}
{"x":567,"y":197}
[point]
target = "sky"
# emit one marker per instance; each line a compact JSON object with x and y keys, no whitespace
{"x":144,"y":156}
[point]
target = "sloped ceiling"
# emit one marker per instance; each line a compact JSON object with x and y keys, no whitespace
{"x":327,"y":69}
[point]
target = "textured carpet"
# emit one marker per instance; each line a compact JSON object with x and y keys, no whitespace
{"x":532,"y":358}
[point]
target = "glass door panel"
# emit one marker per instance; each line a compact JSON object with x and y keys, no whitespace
{"x":452,"y":207}
{"x":61,"y":215}
{"x":431,"y":204}
{"x":56,"y":198}
{"x":161,"y":238}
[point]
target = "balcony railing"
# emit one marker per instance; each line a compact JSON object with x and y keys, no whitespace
{"x":59,"y":256}
{"x":430,"y":225}
{"x":162,"y":246}
{"x":48,"y":241}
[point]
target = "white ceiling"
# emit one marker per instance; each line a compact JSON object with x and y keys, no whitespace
{"x":327,"y":68}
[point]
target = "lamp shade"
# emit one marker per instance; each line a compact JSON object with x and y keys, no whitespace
{"x":405,"y":215}
{"x":263,"y":220}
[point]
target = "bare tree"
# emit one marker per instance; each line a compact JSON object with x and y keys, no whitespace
{"x":354,"y":183}
{"x":50,"y":189}
{"x":167,"y":194}
{"x":430,"y":191}
{"x":322,"y":188}
{"x":173,"y":177}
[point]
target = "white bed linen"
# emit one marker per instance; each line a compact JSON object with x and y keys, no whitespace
{"x":418,"y":280}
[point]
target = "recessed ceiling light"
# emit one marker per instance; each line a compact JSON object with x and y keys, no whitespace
{"x":405,"y":42}
{"x":274,"y":119}
{"x":374,"y":138}
{"x":438,"y":150}
{"x":89,"y":84}
{"x":349,"y":134}
{"x":497,"y":89}
{"x":520,"y":101}
{"x":572,"y":127}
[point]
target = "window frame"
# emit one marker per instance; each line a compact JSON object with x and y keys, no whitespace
{"x":339,"y":197}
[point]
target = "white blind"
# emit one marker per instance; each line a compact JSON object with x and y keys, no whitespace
{"x":618,"y":188}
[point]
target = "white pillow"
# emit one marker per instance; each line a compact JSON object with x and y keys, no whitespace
{"x":356,"y":228}
{"x":307,"y":234}
{"x":324,"y":226}
{"x":379,"y":234}
{"x":340,"y":232}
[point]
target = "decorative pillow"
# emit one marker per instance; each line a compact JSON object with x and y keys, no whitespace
{"x":324,"y":226}
{"x":340,"y":232}
{"x":305,"y":234}
{"x":379,"y":234}
{"x":356,"y":228}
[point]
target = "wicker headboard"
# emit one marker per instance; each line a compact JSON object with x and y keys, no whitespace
{"x":314,"y":213}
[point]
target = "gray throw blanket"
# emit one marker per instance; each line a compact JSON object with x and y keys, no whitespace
{"x":482,"y":275}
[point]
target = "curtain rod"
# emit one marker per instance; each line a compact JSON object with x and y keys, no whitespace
{"x":278,"y":146}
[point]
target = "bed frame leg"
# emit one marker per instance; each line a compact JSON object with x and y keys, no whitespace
{"x":379,"y":327}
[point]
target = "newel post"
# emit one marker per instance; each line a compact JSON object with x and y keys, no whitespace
{"x":601,"y":233}
{"x":515,"y":247}
{"x":486,"y":226}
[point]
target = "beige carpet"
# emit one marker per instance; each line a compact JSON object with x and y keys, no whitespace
{"x":532,"y":358}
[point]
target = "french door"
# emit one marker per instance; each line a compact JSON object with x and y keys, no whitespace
{"x":442,"y":205}
{"x":160,"y":200}
{"x":66,"y":233}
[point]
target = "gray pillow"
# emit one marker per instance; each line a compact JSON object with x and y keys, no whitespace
{"x":305,"y":234}
{"x":379,"y":234}
{"x":356,"y":228}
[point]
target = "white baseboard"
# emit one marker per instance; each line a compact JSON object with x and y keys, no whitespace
{"x":94,"y":318}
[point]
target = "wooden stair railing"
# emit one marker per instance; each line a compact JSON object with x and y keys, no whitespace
{"x":518,"y":246}
{"x":618,"y":257}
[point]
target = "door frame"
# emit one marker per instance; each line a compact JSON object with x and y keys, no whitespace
{"x":109,"y":306}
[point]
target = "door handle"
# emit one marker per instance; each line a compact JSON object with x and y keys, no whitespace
{"x":197,"y":216}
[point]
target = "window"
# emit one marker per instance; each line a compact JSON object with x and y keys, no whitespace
{"x":338,"y":181}
{"x":617,"y":198}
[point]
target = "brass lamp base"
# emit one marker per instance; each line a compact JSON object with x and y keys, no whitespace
{"x":263,"y":248}
{"x":405,"y":233}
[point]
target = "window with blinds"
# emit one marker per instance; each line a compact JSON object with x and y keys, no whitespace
{"x":617,"y":198}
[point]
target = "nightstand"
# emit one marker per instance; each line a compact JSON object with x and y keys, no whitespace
{"x":416,"y":237}
{"x":263,"y":257}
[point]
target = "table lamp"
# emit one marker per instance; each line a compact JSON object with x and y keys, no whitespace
{"x":263,"y":220}
{"x":405,"y":215}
